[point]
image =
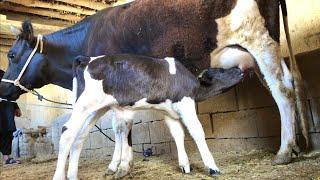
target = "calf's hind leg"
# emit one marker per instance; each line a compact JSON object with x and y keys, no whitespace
{"x":186,"y":109}
{"x":122,"y":159}
{"x":116,"y":157}
{"x":126,"y":150}
{"x":123,"y":154}
{"x":177,"y":133}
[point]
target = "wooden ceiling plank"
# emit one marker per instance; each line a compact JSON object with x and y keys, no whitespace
{"x":55,"y":6}
{"x":6,"y":42}
{"x":40,"y":12}
{"x":120,"y":2}
{"x":7,"y":36}
{"x":39,"y":28}
{"x":4,"y":49}
{"x":94,"y":5}
{"x":11,"y":15}
{"x":86,"y":3}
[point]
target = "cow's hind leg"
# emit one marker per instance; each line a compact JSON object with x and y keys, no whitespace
{"x":280,"y":85}
{"x":177,"y":133}
{"x":186,"y":109}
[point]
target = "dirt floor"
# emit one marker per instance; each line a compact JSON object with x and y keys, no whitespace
{"x":234,"y":165}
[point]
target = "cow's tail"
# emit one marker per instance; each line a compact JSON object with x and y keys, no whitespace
{"x":299,"y":88}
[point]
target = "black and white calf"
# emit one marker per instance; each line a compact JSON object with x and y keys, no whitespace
{"x":126,"y":83}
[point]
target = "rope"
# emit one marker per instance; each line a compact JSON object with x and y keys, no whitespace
{"x":6,"y":100}
{"x":104,"y":133}
{"x":41,"y":97}
{"x":16,"y":82}
{"x":146,"y":153}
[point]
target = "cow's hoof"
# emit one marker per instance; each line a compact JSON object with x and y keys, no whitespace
{"x":282,"y":159}
{"x":214,"y":172}
{"x":186,"y":169}
{"x":121,"y":173}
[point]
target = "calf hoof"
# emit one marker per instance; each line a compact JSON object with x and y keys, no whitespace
{"x":282,"y":159}
{"x":296,"y":150}
{"x":186,"y":169}
{"x":121,"y":173}
{"x":109,"y":172}
{"x":214,"y":172}
{"x":73,"y":178}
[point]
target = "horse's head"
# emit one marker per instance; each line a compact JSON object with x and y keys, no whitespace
{"x":35,"y":74}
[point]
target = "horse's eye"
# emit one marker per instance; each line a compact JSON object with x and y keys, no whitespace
{"x":11,"y":56}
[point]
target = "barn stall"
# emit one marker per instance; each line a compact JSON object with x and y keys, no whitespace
{"x":242,"y":126}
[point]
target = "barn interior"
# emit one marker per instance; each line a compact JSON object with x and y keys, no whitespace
{"x":242,"y":126}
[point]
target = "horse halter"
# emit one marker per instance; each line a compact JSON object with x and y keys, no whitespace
{"x":16,"y":82}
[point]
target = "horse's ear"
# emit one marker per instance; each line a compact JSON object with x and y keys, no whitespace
{"x":15,"y":31}
{"x":27,"y":30}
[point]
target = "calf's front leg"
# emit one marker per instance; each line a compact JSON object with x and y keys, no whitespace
{"x":78,"y":144}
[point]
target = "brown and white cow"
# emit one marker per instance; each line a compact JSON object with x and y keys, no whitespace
{"x":250,"y":27}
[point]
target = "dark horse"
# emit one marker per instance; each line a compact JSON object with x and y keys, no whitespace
{"x":193,"y":32}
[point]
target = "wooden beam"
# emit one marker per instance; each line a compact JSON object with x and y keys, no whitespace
{"x":85,"y":3}
{"x":41,"y":12}
{"x":36,"y":19}
{"x":94,"y":5}
{"x":39,"y":28}
{"x":55,"y":6}
{"x":7,"y":36}
{"x":6,"y":42}
{"x":121,"y":2}
{"x":4,"y":49}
